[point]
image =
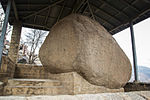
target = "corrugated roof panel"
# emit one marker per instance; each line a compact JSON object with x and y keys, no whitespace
{"x":114,"y":15}
{"x":142,"y":4}
{"x":109,"y":9}
{"x":55,"y":11}
{"x":117,"y":4}
{"x":131,"y":12}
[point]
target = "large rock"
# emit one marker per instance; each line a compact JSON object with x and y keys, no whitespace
{"x":77,"y":43}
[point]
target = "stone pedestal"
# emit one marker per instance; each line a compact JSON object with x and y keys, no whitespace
{"x":75,"y":84}
{"x":15,"y":40}
{"x":72,"y":82}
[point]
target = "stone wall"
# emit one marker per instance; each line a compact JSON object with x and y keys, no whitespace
{"x":30,"y":71}
{"x":7,"y":69}
{"x":137,"y":87}
{"x":15,"y":41}
{"x":1,"y":88}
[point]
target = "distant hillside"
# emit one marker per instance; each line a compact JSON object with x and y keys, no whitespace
{"x":144,"y":74}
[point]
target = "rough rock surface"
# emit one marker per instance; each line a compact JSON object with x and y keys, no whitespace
{"x":77,"y":43}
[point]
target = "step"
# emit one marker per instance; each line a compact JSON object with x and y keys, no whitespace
{"x":33,"y":90}
{"x":34,"y":87}
{"x":33,"y":82}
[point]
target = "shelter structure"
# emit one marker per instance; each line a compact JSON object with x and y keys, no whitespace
{"x":114,"y":15}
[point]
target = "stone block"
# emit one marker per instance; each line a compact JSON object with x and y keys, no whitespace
{"x":7,"y":68}
{"x":139,"y":86}
{"x":1,"y":88}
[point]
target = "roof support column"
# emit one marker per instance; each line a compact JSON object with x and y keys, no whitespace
{"x":134,"y":52}
{"x":15,"y":41}
{"x":2,"y":37}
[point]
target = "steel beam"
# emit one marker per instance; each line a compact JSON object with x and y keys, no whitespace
{"x":133,"y":19}
{"x":107,"y":3}
{"x":60,"y":13}
{"x":2,"y":37}
{"x":91,"y":11}
{"x":105,"y":21}
{"x":51,"y":5}
{"x":39,"y":5}
{"x":78,"y":6}
{"x":23,"y":12}
{"x":46,"y":17}
{"x":84,"y":8}
{"x":111,"y":16}
{"x":15,"y":10}
{"x":130,"y":5}
{"x":35,"y":25}
{"x":134,"y":52}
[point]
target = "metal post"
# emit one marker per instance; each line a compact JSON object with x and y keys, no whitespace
{"x":134,"y":52}
{"x":2,"y":37}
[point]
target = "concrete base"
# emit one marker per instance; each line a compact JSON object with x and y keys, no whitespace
{"x":60,"y":84}
{"x":78,"y":85}
{"x":72,"y":81}
{"x":142,"y":95}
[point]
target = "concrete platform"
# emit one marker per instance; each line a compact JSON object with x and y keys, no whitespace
{"x":142,"y":95}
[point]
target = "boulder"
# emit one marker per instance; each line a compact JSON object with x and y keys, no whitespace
{"x":78,"y":43}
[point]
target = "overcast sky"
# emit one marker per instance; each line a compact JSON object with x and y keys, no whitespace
{"x":142,"y":40}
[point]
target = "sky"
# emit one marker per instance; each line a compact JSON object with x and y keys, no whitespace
{"x":142,"y":41}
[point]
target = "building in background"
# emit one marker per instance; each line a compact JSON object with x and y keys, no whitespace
{"x":23,"y":54}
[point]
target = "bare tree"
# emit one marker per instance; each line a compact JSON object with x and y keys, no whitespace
{"x":8,"y":31}
{"x":34,"y":39}
{"x":1,"y":19}
{"x":9,"y":28}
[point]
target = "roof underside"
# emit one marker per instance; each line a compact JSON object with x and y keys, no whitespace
{"x":114,"y":15}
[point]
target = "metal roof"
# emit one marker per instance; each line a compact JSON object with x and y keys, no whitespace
{"x":114,"y":15}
